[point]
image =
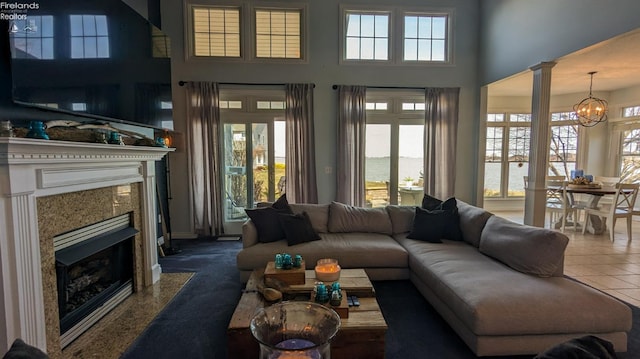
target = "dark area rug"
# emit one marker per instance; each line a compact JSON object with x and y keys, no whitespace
{"x":193,"y":325}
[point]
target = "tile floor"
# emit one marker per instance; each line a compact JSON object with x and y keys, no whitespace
{"x":613,"y":267}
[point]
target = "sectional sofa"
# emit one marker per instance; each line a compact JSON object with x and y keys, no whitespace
{"x":500,"y":286}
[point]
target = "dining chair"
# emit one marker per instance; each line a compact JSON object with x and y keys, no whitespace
{"x":559,"y":205}
{"x":620,"y":207}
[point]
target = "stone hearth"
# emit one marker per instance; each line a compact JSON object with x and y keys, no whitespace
{"x":47,"y":188}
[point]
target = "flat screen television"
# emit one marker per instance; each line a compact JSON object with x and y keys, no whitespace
{"x":96,"y":58}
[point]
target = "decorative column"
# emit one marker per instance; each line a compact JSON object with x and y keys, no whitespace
{"x":535,"y":194}
{"x":150,"y":239}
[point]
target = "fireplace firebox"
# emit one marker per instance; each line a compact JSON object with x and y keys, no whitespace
{"x":94,"y":271}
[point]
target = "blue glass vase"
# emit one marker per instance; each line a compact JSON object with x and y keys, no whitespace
{"x":36,"y":130}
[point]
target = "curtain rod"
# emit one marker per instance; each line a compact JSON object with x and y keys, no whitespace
{"x":182,"y":83}
{"x":389,"y":87}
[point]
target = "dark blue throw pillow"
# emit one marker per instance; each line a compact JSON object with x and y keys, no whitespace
{"x":266,"y":220}
{"x":297,"y":228}
{"x":436,"y":219}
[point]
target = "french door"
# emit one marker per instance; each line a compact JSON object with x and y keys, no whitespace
{"x":253,"y":168}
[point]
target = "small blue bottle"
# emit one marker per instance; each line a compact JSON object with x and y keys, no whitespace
{"x":36,"y":130}
{"x":297,"y":261}
{"x":279,"y":262}
{"x":287,"y":262}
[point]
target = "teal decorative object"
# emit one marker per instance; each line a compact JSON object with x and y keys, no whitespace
{"x":36,"y":130}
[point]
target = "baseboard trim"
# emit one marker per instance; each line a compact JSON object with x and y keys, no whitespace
{"x":183,"y":235}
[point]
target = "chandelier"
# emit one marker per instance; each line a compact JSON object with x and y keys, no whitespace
{"x":592,"y":110}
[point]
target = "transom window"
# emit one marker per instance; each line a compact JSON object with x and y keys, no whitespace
{"x":367,"y":36}
{"x":89,"y":36}
{"x":631,"y":111}
{"x":33,"y":37}
{"x":425,"y":38}
{"x":278,"y":33}
{"x":216,"y":31}
{"x":376,"y":106}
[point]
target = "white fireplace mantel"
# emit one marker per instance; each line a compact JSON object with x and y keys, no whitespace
{"x":31,"y":168}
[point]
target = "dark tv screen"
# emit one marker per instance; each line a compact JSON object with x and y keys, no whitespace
{"x":97,"y":58}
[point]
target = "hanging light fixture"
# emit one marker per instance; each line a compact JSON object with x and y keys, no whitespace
{"x":592,"y":110}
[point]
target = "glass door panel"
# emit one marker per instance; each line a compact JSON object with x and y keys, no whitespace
{"x":377,"y":165}
{"x":410,"y":165}
{"x":235,"y":172}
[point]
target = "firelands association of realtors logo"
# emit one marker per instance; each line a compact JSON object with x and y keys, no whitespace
{"x":13,"y":11}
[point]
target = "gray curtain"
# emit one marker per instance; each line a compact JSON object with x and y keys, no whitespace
{"x":203,"y":131}
{"x":440,"y":138}
{"x":351,"y":145}
{"x":301,"y":185}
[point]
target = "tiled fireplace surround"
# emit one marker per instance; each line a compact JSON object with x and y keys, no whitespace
{"x":48,"y":188}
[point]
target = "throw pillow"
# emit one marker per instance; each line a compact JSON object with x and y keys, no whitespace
{"x":430,"y":203}
{"x":266,"y":220}
{"x":267,"y":223}
{"x":297,"y":228}
{"x":430,"y":226}
{"x":532,"y":250}
{"x":450,"y":205}
{"x":20,"y":350}
{"x":282,"y":204}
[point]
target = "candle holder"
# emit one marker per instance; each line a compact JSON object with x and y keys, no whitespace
{"x":327,"y":270}
{"x":295,"y":330}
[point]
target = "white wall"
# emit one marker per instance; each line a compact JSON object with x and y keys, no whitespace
{"x":324,"y":70}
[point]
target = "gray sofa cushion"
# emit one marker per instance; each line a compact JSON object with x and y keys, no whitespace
{"x":527,"y":249}
{"x":472,"y":222}
{"x":352,"y":250}
{"x":401,"y":218}
{"x":318,"y":214}
{"x":345,"y":218}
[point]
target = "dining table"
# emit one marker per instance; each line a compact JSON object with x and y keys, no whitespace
{"x":596,"y":224}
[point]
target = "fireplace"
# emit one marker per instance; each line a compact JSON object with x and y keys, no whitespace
{"x":94,"y":273}
{"x":48,"y":188}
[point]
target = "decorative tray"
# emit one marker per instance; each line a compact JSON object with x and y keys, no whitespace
{"x":590,"y":185}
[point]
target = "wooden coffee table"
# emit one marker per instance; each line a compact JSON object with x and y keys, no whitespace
{"x":360,"y":336}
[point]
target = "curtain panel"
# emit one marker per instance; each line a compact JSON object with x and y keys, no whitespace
{"x":352,"y":122}
{"x":301,"y":185}
{"x":440,"y":140}
{"x":203,"y":131}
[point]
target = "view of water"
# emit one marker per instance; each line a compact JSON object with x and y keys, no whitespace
{"x":377,"y":168}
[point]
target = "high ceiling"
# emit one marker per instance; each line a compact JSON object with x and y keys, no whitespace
{"x":617,"y":62}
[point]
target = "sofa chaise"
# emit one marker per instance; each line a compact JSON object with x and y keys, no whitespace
{"x":500,"y":286}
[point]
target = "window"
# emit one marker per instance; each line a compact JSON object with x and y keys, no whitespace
{"x":393,"y":36}
{"x":79,"y":106}
{"x":630,"y":156}
{"x":631,"y":111}
{"x":563,"y":149}
{"x":216,"y":31}
{"x":507,"y":151}
{"x":160,"y":42}
{"x":377,"y":106}
{"x":425,"y":38}
{"x":367,"y":36}
{"x":506,"y":154}
{"x":278,"y":33}
{"x":394,"y":148}
{"x":33,"y":37}
{"x":89,"y":36}
{"x":270,"y":105}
